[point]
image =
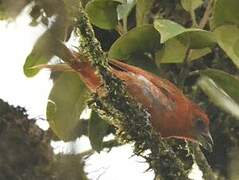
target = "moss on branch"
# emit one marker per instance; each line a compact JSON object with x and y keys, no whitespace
{"x":130,"y":118}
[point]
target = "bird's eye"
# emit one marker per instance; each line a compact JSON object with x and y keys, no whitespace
{"x":200,"y":124}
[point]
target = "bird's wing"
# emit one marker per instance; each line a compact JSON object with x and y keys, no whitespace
{"x":161,"y":83}
{"x":173,"y":93}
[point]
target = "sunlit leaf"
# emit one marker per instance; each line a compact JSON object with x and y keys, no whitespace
{"x":97,"y":131}
{"x":138,"y":40}
{"x":168,"y":29}
{"x":228,"y":39}
{"x":165,"y":55}
{"x":191,"y":37}
{"x":46,"y":46}
{"x":66,"y":102}
{"x":103,"y":13}
{"x":222,"y":89}
{"x":124,"y":10}
{"x":190,"y":5}
{"x":229,"y":83}
{"x":198,"y":53}
{"x":225,"y":12}
{"x":42,"y":52}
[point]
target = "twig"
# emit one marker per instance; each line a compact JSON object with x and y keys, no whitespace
{"x":193,"y":16}
{"x":106,"y":144}
{"x":203,"y":164}
{"x":185,"y":69}
{"x":87,"y":153}
{"x":119,"y":29}
{"x":206,"y":15}
{"x":111,"y":143}
{"x":186,"y":63}
{"x":125,"y":21}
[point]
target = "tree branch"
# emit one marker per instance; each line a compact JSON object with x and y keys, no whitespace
{"x":130,"y":118}
{"x":203,"y":164}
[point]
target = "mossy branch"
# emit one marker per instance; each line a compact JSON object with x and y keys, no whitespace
{"x":130,"y":118}
{"x":203,"y":164}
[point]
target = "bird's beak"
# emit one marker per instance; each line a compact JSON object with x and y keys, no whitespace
{"x":206,"y":141}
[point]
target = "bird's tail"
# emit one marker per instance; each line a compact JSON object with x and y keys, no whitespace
{"x":86,"y":71}
{"x":80,"y":65}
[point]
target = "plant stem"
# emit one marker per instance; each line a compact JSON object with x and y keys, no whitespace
{"x":193,"y":16}
{"x":87,"y":153}
{"x":119,"y":28}
{"x":125,"y":21}
{"x":185,"y":68}
{"x":202,"y":24}
{"x":125,"y":26}
{"x":206,"y":14}
{"x":203,"y":164}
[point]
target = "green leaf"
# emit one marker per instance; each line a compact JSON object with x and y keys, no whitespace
{"x":138,"y":40}
{"x":66,"y":102}
{"x":103,"y":13}
{"x":46,"y":46}
{"x":228,"y":39}
{"x":197,"y":38}
{"x":165,"y":55}
{"x":225,"y":12}
{"x":124,"y":10}
{"x":222,"y":88}
{"x":97,"y":131}
{"x":198,"y":53}
{"x":41,"y":53}
{"x":168,"y":29}
{"x":191,"y":37}
{"x":190,"y":5}
{"x":229,"y":83}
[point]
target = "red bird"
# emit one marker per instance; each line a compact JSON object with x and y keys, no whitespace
{"x":172,"y":113}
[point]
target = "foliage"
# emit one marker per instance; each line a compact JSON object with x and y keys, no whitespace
{"x":65,"y":104}
{"x":181,"y":40}
{"x":97,"y":130}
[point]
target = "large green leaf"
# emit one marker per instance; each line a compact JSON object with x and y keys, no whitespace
{"x":165,"y":55}
{"x":97,"y":130}
{"x":228,"y":39}
{"x":191,"y":37}
{"x":225,"y":12}
{"x":191,"y":5}
{"x":103,"y":13}
{"x":222,"y":88}
{"x":138,"y":40}
{"x":66,"y":102}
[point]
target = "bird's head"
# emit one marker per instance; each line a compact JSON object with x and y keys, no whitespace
{"x":200,"y":128}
